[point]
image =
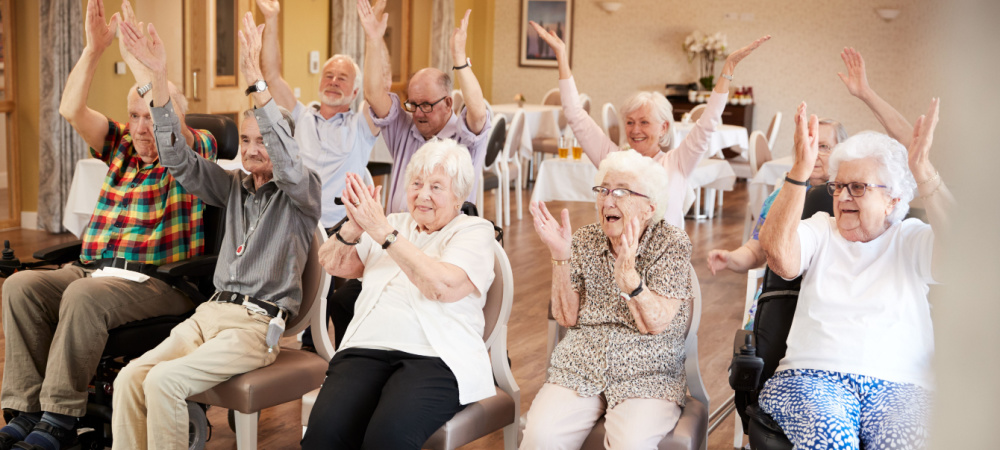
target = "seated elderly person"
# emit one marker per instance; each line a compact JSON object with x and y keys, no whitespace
{"x":622,"y":286}
{"x":648,"y":120}
{"x":413,"y":355}
{"x":857,"y":368}
{"x":271,"y":215}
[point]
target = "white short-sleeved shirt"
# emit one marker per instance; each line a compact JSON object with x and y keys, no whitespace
{"x":863,"y":306}
{"x":333,"y":147}
{"x":452,"y":331}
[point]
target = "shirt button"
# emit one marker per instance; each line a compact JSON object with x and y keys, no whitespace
{"x":232,"y":277}
{"x":132,"y":185}
{"x":251,"y":229}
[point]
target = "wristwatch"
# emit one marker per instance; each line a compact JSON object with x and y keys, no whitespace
{"x":636,"y":292}
{"x":390,"y":239}
{"x":468,"y":62}
{"x":144,"y":89}
{"x":259,"y":86}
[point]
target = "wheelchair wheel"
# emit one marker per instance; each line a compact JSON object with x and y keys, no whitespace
{"x":197,"y":426}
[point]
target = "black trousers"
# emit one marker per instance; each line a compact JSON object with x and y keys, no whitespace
{"x":380,"y":399}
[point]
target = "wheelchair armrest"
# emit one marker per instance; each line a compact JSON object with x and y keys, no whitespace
{"x":61,"y":253}
{"x":746,"y":367}
{"x":199,"y":265}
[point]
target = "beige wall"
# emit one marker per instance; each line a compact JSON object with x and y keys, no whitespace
{"x":639,"y":48}
{"x":305,"y":27}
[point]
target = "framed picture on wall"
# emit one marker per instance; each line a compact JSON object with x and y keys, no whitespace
{"x":553,"y":15}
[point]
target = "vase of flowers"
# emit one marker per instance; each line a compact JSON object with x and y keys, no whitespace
{"x":519,"y":98}
{"x":707,"y":49}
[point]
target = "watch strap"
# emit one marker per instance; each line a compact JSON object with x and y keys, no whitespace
{"x":390,"y":239}
{"x":637,"y":291}
{"x":144,"y":89}
{"x":468,"y":62}
{"x":796,"y":182}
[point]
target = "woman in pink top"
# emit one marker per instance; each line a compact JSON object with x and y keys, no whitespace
{"x":648,"y":117}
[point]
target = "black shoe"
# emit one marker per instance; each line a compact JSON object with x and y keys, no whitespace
{"x":65,"y":438}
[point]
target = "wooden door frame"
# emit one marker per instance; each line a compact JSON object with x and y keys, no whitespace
{"x":9,"y":106}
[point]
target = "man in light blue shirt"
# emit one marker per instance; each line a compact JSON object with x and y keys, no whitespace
{"x":333,"y":140}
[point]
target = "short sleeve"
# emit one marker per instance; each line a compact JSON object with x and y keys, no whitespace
{"x":811,"y":232}
{"x":577,"y":260}
{"x":669,"y":274}
{"x":470,"y":249}
{"x":918,"y":238}
{"x":364,"y":248}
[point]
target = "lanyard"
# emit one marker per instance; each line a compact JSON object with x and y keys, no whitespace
{"x":247,"y":232}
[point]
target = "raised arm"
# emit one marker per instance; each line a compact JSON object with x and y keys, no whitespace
{"x":89,"y":124}
{"x":558,"y":46}
{"x":270,"y":56}
{"x":374,"y":21}
{"x":856,"y":82}
{"x":938,"y":201}
{"x":779,"y":237}
{"x":558,"y":238}
{"x":475,"y":104}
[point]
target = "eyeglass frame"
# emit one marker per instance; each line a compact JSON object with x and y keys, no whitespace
{"x":412,"y":107}
{"x":831,"y":187}
{"x":601,"y":192}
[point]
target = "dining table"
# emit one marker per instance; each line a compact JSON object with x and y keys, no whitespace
{"x":725,"y":136}
{"x":540,"y":121}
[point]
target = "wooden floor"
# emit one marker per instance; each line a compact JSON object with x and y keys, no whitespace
{"x":279,"y":427}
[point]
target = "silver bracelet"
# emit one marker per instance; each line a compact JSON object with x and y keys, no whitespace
{"x":728,"y":77}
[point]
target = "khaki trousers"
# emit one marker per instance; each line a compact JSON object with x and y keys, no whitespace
{"x":55,"y":326}
{"x":560,"y":419}
{"x":220,"y":341}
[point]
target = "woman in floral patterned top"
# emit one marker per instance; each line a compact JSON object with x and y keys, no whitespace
{"x":623,"y":289}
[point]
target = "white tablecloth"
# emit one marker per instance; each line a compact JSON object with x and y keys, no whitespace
{"x":540,"y":121}
{"x":724,"y":137}
{"x":86,"y":189}
{"x":763,"y":183}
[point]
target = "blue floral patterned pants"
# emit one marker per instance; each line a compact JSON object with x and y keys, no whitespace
{"x":819,"y":409}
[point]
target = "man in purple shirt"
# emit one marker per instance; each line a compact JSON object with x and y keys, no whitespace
{"x":427,"y":115}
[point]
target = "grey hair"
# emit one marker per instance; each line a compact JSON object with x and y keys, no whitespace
{"x":176,"y":96}
{"x":358,"y":78}
{"x":839,"y":132}
{"x":662,"y":110}
{"x":451,"y":157}
{"x":285,"y":115}
{"x":893,"y":170}
{"x":651,"y":175}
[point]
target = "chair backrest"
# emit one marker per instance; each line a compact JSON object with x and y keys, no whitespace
{"x":696,"y":113}
{"x":498,"y":137}
{"x":514,"y":131}
{"x":552,"y":97}
{"x":457,"y":101}
{"x":772,"y":129}
{"x":223,"y":129}
{"x":315,"y":285}
{"x":759,"y":153}
{"x":696,"y":386}
{"x":585,"y":102}
{"x":612,"y":127}
{"x":500,"y":296}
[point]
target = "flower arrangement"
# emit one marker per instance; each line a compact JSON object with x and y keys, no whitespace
{"x":707,"y":49}
{"x":519,"y":98}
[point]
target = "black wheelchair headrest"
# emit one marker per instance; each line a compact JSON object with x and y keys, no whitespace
{"x":224,"y":129}
{"x":818,"y":199}
{"x":498,"y":136}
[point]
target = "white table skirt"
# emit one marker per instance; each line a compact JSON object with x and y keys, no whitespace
{"x":724,"y":137}
{"x":540,"y":121}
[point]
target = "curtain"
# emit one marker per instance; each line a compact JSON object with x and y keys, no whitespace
{"x":347,"y":37}
{"x":443,"y":24}
{"x":60,"y":147}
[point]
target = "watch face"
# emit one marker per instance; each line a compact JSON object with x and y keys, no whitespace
{"x":260,"y":85}
{"x":390,"y":238}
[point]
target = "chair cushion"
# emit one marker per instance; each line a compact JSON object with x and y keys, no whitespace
{"x":293,"y":373}
{"x":546,"y":145}
{"x":691,"y":430}
{"x":475,"y":421}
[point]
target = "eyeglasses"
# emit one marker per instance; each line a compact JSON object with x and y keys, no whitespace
{"x":425,"y":107}
{"x":855,"y":188}
{"x":618,"y":194}
{"x":824,"y":148}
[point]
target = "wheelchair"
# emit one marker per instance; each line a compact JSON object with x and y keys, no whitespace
{"x":756,"y":353}
{"x":192,"y":277}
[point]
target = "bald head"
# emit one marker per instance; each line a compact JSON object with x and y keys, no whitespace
{"x":431,"y":79}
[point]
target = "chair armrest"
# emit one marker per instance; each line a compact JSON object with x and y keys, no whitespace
{"x":199,"y":265}
{"x":61,"y":253}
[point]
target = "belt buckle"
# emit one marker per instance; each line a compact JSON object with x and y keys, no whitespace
{"x":254,"y":307}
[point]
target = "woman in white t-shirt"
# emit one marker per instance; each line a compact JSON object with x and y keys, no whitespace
{"x":857,"y":368}
{"x":413,"y":356}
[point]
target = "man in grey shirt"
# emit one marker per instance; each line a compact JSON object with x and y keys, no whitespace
{"x":271,"y":215}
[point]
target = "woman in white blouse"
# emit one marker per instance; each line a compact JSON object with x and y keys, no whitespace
{"x":857,"y":368}
{"x":413,"y":355}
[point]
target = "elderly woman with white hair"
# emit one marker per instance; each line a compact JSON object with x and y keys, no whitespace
{"x":622,"y":286}
{"x":413,"y":356}
{"x":648,"y":118}
{"x":857,"y":368}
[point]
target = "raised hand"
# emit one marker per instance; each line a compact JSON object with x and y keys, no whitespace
{"x":558,"y":46}
{"x":269,"y":8}
{"x":856,"y":79}
{"x":139,"y":71}
{"x":734,"y":58}
{"x":148,"y":51}
{"x":374,"y":27}
{"x":363,"y":207}
{"x":626,"y":276}
{"x":806,"y":144}
{"x":458,"y":39}
{"x":718,"y":260}
{"x":250,"y":44}
{"x":100,"y":33}
{"x":558,"y":238}
{"x":920,"y":146}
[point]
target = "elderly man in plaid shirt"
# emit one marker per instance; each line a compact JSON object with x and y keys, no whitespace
{"x":56,"y":322}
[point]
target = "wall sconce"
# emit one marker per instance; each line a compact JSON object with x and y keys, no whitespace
{"x":887,"y":14}
{"x":610,"y":7}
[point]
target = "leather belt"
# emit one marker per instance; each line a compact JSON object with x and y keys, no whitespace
{"x":258,"y":306}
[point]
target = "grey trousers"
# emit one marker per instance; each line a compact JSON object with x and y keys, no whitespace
{"x":55,"y":326}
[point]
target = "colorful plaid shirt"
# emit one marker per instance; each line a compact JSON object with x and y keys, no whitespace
{"x":143,"y":214}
